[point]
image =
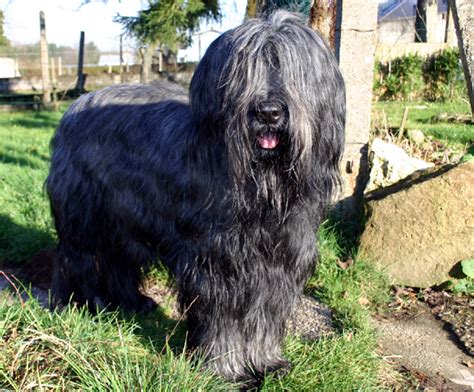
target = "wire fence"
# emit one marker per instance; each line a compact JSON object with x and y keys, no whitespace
{"x":65,"y":62}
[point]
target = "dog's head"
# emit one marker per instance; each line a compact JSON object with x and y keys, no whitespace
{"x":272,"y":89}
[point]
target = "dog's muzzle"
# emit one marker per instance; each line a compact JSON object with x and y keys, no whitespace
{"x":270,"y":115}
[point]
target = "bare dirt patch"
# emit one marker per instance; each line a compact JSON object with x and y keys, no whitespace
{"x":420,"y":346}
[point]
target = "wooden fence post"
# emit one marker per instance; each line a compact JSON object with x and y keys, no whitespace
{"x":46,"y":82}
{"x":80,"y":64}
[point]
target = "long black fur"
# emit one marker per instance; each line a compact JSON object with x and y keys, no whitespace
{"x":139,"y":173}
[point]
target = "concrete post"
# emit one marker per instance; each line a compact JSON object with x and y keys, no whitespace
{"x":60,"y":66}
{"x":356,"y":38}
{"x":463,"y":16}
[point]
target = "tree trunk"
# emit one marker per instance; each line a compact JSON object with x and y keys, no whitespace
{"x":322,"y":18}
{"x":147,"y":62}
{"x":420,"y":21}
{"x":463,"y":16}
{"x":252,"y":6}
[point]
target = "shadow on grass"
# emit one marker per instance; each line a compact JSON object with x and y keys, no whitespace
{"x":159,"y":330}
{"x":19,"y":243}
{"x":29,"y":254}
{"x":37,"y":121}
{"x":20,"y":161}
{"x":23,"y":156}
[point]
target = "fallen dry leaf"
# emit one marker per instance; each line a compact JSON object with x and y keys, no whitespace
{"x":345,"y":264}
{"x":363,"y":301}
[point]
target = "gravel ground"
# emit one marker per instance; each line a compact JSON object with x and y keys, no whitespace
{"x":311,"y":319}
{"x":416,"y":344}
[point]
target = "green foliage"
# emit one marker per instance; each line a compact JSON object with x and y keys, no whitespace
{"x":91,"y":53}
{"x":410,"y":77}
{"x":72,"y":350}
{"x":4,"y":42}
{"x":349,"y":291}
{"x":441,"y":73}
{"x":401,"y":78}
{"x":25,"y":221}
{"x":344,"y":362}
{"x":168,"y":22}
{"x":466,"y":285}
{"x":469,"y":154}
{"x":465,"y":282}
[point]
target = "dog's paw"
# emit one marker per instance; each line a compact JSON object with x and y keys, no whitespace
{"x":279,"y":368}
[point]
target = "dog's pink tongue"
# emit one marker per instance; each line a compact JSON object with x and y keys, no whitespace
{"x":268,"y":141}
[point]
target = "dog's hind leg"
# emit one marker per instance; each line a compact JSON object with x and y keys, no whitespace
{"x":98,"y":279}
{"x":122,"y":277}
{"x":75,"y":276}
{"x":121,"y":265}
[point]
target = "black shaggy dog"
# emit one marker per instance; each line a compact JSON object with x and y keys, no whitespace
{"x":226,"y":189}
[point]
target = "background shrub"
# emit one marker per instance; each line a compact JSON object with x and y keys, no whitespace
{"x":401,"y":78}
{"x":442,"y":74}
{"x":435,"y":78}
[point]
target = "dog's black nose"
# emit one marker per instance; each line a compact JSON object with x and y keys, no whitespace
{"x":269,"y":113}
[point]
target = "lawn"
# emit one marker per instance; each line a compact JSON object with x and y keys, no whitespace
{"x":74,"y":350}
{"x":25,"y":223}
{"x":434,"y":119}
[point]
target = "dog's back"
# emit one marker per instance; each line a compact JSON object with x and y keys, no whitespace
{"x":112,"y":184}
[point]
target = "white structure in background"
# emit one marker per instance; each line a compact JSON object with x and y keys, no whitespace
{"x":396,"y":22}
{"x":233,"y":12}
{"x":201,"y":41}
{"x":9,"y":68}
{"x":114,"y":59}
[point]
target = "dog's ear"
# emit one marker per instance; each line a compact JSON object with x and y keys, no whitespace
{"x":206,"y":90}
{"x":329,"y":115}
{"x":330,"y":146}
{"x":332,"y":118}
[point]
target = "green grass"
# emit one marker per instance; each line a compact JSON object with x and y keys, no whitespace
{"x":74,"y":350}
{"x":25,"y":223}
{"x":422,"y":115}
